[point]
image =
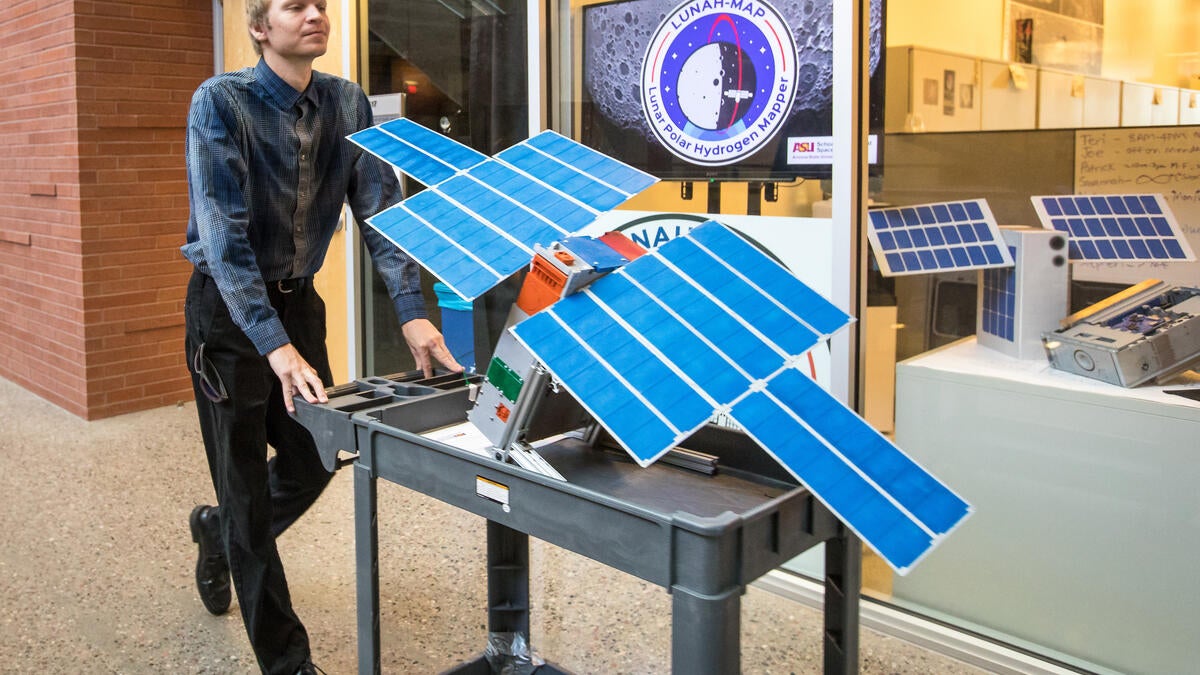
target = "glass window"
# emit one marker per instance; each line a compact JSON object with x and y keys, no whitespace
{"x":1078,"y":484}
{"x":1083,"y":533}
{"x":461,"y":66}
{"x":1083,"y":536}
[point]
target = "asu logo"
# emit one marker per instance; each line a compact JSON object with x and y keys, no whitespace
{"x":718,"y":79}
{"x":804,"y":147}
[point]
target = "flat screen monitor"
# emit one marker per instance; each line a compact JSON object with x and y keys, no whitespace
{"x":719,"y":89}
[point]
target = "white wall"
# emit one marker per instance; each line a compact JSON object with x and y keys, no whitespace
{"x":971,"y":27}
{"x":1144,"y":40}
{"x":1152,"y":40}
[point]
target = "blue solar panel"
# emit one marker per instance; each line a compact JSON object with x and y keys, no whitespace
{"x":481,"y":217}
{"x":425,"y":155}
{"x":421,"y":166}
{"x":438,"y":145}
{"x":625,"y":413}
{"x":436,"y":247}
{"x":503,"y":211}
{"x":565,"y":178}
{"x":999,"y":301}
{"x":551,"y":205}
{"x":822,"y":315}
{"x":620,"y":176}
{"x":704,"y":314}
{"x":892,"y":503}
{"x":1115,"y":228}
{"x":936,"y":237}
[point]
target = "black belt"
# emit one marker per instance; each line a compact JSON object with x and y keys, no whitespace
{"x":292,"y":285}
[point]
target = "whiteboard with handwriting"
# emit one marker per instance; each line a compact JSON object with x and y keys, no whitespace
{"x":1163,"y":160}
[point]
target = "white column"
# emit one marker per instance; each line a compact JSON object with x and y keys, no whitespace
{"x":850,"y":63}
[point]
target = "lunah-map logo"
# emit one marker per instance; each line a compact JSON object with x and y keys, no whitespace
{"x":718,"y":79}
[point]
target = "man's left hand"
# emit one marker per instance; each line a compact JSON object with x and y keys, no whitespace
{"x":427,"y":346}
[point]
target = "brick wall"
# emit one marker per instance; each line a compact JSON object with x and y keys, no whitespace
{"x":41,"y":275}
{"x":93,"y":198}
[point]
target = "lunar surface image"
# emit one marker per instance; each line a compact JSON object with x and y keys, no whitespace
{"x":616,"y":37}
{"x":715,"y":85}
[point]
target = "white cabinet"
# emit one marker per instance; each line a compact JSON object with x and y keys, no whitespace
{"x":1145,"y":105}
{"x":929,"y":90}
{"x":1008,"y":93}
{"x":1073,"y":101}
{"x":1060,"y":100}
{"x":1189,"y":106}
{"x":1101,"y":102}
{"x":1165,"y":109}
{"x":1135,"y":104}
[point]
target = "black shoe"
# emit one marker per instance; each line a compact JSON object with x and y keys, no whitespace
{"x":212,"y":571}
{"x":309,"y":668}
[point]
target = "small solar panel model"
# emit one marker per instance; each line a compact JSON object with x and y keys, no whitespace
{"x":650,"y":344}
{"x":1115,"y":228}
{"x":1022,"y":288}
{"x":1019,"y":303}
{"x":942,"y":237}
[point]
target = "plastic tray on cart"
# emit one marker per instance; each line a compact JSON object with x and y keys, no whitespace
{"x":330,"y":425}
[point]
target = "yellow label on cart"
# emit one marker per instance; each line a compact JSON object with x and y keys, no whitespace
{"x":490,"y":489}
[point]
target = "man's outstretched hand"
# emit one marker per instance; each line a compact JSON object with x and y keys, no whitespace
{"x":296,"y":376}
{"x":427,"y":346}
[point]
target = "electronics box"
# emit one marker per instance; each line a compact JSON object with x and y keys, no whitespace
{"x":1148,"y":331}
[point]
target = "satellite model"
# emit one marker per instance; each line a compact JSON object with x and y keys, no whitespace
{"x":650,"y":343}
{"x":1146,"y":332}
{"x":1022,"y":270}
{"x":1151,"y":330}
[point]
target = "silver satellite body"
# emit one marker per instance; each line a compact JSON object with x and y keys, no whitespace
{"x":1150,"y":330}
{"x":516,"y":385}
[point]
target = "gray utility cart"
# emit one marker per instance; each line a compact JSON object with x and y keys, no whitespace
{"x":701,"y":534}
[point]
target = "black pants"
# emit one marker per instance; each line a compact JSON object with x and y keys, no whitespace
{"x":258,"y":499}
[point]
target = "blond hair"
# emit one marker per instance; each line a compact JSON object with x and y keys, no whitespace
{"x":256,"y":15}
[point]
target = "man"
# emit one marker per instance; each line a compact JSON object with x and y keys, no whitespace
{"x":268,"y":171}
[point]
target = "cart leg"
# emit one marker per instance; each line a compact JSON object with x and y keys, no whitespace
{"x":843,"y":581}
{"x":706,"y":632}
{"x":508,"y":580}
{"x":366,"y":538}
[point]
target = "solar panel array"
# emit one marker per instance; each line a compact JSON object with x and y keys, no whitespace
{"x":704,"y":324}
{"x":708,"y":323}
{"x":936,"y":238}
{"x":998,"y":302}
{"x":1115,"y":228}
{"x":480,"y":218}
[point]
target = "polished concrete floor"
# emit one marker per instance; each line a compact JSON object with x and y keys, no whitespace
{"x":96,"y":571}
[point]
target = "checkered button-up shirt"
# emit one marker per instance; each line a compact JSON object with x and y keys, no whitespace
{"x":269,"y":168}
